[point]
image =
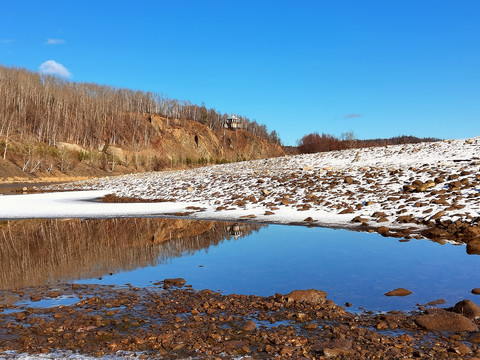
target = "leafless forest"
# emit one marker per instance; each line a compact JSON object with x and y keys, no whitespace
{"x":49,"y":109}
{"x":37,"y":112}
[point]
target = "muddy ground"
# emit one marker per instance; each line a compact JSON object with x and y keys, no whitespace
{"x":173,"y":321}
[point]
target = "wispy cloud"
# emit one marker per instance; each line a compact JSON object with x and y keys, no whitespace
{"x":6,"y":41}
{"x":55,"y":41}
{"x":352,"y":116}
{"x":51,"y":67}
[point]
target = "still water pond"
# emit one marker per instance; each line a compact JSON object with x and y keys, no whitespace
{"x":246,"y":259}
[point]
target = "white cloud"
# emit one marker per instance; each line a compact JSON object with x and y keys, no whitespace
{"x":51,"y":67}
{"x":55,"y":41}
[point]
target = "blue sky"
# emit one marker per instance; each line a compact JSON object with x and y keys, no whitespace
{"x":377,"y":68}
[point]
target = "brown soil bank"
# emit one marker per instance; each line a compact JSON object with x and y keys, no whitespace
{"x":182,"y":323}
{"x":176,"y":144}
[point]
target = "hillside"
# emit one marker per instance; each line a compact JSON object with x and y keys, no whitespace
{"x":176,"y":146}
{"x":51,"y":128}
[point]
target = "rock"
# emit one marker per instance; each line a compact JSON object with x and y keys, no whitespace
{"x":383,"y":230}
{"x":436,"y":233}
{"x":398,"y":292}
{"x":409,"y":188}
{"x":405,"y":218}
{"x":475,"y":338}
{"x":335,"y":348}
{"x":265,"y":192}
{"x":467,"y":308}
{"x":472,"y":231}
{"x":436,"y":302}
{"x":349,"y":210}
{"x":476,"y":291}
{"x":442,"y":320}
{"x":249,"y":326}
{"x":359,"y":219}
{"x":311,"y":296}
{"x":454,"y":185}
{"x":438,"y":215}
{"x":462,"y":349}
{"x":175,"y":282}
{"x":473,"y":247}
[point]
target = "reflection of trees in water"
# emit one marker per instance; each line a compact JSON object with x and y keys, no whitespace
{"x":33,"y":252}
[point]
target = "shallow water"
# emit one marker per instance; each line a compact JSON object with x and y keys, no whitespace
{"x":251,"y":259}
{"x":350,"y":266}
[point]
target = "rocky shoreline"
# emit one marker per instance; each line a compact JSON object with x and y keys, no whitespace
{"x":427,"y":190}
{"x":173,"y":321}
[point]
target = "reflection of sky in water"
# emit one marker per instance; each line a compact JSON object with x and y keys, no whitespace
{"x":349,"y":266}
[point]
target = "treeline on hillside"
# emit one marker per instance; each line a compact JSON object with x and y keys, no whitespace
{"x":313,"y":143}
{"x":48,"y":109}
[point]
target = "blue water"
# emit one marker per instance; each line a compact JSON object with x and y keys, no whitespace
{"x":350,"y":266}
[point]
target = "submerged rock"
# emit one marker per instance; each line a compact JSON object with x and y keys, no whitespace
{"x":398,"y":292}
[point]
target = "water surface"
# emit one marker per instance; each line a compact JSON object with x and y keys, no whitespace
{"x":244,"y":259}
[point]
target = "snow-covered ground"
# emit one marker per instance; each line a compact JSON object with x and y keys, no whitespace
{"x":327,"y":189}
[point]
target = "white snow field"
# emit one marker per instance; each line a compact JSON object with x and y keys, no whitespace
{"x":325,"y":189}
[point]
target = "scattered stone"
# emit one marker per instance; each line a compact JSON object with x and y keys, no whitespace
{"x":476,"y":291}
{"x":179,"y":282}
{"x":311,"y":296}
{"x":442,"y":320}
{"x":359,"y":219}
{"x":335,"y":348}
{"x":436,"y":302}
{"x":249,"y":326}
{"x":383,"y":230}
{"x":438,"y":215}
{"x":398,"y":292}
{"x":348,"y":210}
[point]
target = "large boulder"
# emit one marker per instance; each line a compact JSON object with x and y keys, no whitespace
{"x":311,"y":296}
{"x":442,"y":320}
